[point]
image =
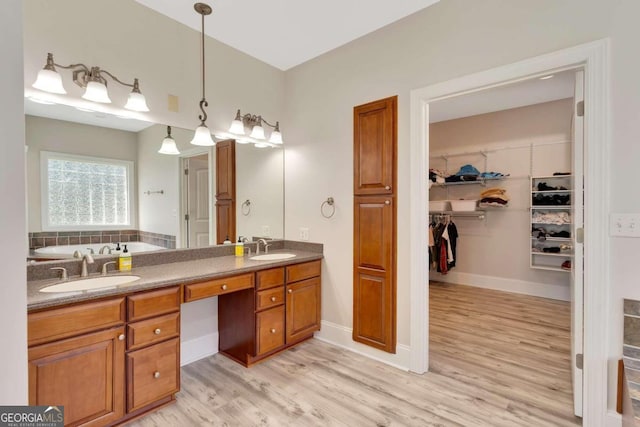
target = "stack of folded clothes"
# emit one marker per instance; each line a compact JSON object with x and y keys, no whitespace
{"x":494,"y":197}
{"x":466,"y":173}
{"x":540,"y":199}
{"x":437,"y":176}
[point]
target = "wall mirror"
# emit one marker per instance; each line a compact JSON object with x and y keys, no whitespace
{"x":168,"y":208}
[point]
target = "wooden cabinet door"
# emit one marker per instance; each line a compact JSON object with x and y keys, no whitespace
{"x":303,"y":309}
{"x":84,"y":374}
{"x":226,"y":170}
{"x":375,"y":152}
{"x":225,"y":220}
{"x":153,"y":373}
{"x":225,"y":191}
{"x":374,"y":290}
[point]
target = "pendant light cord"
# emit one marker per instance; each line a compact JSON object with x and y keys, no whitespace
{"x":203,"y":101}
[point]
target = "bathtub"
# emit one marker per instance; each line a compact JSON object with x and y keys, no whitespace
{"x":66,"y":251}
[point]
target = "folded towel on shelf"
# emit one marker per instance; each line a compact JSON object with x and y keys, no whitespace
{"x":494,"y":197}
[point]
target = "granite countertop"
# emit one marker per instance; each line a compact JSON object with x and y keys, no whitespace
{"x":161,"y":275}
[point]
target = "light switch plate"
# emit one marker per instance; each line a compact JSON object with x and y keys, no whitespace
{"x":624,"y":225}
{"x":266,"y":231}
{"x":304,"y":234}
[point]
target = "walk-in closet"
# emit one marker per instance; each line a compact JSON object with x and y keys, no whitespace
{"x":505,"y":212}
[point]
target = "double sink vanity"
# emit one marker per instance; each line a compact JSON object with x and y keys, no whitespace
{"x":110,"y":351}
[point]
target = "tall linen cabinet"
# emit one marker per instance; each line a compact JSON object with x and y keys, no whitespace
{"x":374,"y":231}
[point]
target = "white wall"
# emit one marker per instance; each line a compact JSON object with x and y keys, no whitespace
{"x":260,"y":179}
{"x":13,"y":295}
{"x":159,"y":213}
{"x":533,"y":140}
{"x":44,"y":134}
{"x":450,"y":39}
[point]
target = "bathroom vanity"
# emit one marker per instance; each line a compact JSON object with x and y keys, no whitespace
{"x":114,"y":354}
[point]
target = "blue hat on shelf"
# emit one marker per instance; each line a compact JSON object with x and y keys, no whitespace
{"x":468,"y":170}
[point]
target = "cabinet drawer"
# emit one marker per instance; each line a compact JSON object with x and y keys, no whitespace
{"x":154,"y":303}
{"x":269,"y":278}
{"x":211,"y":288}
{"x":57,"y":323}
{"x":152,"y":373}
{"x":270,"y":330}
{"x":303,"y":271}
{"x":269,"y":298}
{"x":153,"y":330}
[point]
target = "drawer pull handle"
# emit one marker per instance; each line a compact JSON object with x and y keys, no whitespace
{"x":387,"y":188}
{"x":273,"y":299}
{"x":157,"y":331}
{"x":156,"y":374}
{"x":386,"y":202}
{"x":273,"y":331}
{"x":224,"y":287}
{"x":290,"y":291}
{"x":121,"y":337}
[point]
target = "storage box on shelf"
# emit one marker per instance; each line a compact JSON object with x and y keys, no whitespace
{"x":551,"y":223}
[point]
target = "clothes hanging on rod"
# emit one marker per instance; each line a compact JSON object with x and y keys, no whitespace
{"x":442,"y":248}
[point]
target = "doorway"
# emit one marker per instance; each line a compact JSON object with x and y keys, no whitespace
{"x":195,"y":195}
{"x":594,"y":58}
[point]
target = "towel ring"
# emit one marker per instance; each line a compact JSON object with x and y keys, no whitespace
{"x":246,"y":207}
{"x":329,"y":202}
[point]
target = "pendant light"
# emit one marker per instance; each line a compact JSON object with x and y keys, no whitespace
{"x":203,"y":135}
{"x":169,"y":144}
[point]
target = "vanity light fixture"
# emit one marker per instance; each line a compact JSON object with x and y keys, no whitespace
{"x":90,"y":78}
{"x":255,"y":122}
{"x":168,"y":144}
{"x":203,"y":135}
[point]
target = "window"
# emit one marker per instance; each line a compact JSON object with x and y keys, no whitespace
{"x":85,"y":193}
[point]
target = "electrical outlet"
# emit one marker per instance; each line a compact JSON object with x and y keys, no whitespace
{"x":304,"y":233}
{"x":266,"y":231}
{"x":624,"y":225}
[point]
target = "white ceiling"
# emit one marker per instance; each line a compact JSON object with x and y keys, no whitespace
{"x":286,"y":33}
{"x":527,"y":92}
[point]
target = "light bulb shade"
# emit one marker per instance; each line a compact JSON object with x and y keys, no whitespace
{"x":237,"y":127}
{"x":49,"y":81}
{"x":136,"y":102}
{"x":276,"y":138}
{"x":257,"y":132}
{"x":202,"y":137}
{"x":169,"y":146}
{"x":96,"y":92}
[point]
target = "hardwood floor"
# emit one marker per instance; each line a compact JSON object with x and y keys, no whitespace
{"x":497,"y":359}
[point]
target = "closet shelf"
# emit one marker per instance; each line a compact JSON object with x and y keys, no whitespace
{"x":482,"y":181}
{"x":552,"y":207}
{"x":554,"y":239}
{"x":550,"y":268}
{"x":470,"y":214}
{"x":551,"y":191}
{"x":552,"y":254}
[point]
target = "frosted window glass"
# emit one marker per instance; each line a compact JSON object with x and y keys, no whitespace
{"x":87,"y":193}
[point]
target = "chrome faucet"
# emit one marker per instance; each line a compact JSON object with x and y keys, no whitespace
{"x":86,"y":259}
{"x":105,"y":266}
{"x":266,"y":246}
{"x":91,"y":251}
{"x":105,"y":248}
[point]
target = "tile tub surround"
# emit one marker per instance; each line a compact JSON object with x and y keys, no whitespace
{"x":59,"y":238}
{"x":631,"y":354}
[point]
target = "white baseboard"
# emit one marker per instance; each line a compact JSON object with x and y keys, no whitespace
{"x":341,"y":336}
{"x":545,"y":290}
{"x":614,"y":419}
{"x":198,"y":348}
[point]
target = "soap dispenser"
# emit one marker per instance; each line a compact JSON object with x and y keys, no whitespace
{"x":240,"y":247}
{"x":226,"y":241}
{"x":125,"y":260}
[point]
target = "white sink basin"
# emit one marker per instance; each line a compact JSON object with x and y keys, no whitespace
{"x":93,"y":283}
{"x":272,"y":257}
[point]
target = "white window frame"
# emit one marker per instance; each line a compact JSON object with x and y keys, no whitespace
{"x":44,"y":191}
